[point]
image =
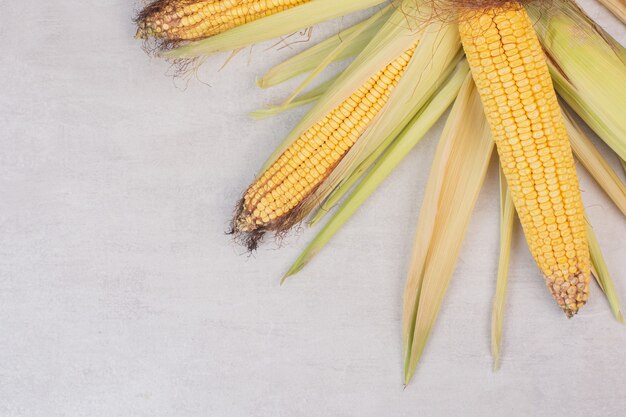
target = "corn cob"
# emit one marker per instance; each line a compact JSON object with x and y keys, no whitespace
{"x":186,"y":20}
{"x":273,"y":201}
{"x":510,"y":71}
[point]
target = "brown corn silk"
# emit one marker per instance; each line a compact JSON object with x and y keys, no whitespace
{"x":274,"y":202}
{"x":187,"y":20}
{"x":510,"y":71}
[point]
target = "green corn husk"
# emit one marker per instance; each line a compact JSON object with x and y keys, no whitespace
{"x":588,"y":68}
{"x":345,"y":44}
{"x":305,"y":98}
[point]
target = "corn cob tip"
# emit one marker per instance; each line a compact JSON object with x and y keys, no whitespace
{"x":571,"y":294}
{"x":244,"y":230}
{"x":141,"y":33}
{"x":249,"y":229}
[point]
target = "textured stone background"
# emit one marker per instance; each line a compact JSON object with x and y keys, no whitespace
{"x":120,"y":295}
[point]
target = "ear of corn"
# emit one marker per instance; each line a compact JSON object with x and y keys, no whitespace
{"x":184,"y":20}
{"x":381,"y":122}
{"x":512,"y":76}
{"x":321,"y":140}
{"x":456,"y":176}
{"x":344,"y":43}
{"x":588,"y":68}
{"x":434,"y":60}
{"x":507,"y":222}
{"x":391,"y":40}
{"x":396,"y":152}
{"x":270,"y":204}
{"x":269,"y":27}
{"x":419,"y":81}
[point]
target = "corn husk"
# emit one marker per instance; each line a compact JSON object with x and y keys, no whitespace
{"x":345,"y":44}
{"x":458,"y":171}
{"x":310,"y":96}
{"x":336,"y":53}
{"x":588,"y":68}
{"x":507,"y":222}
{"x":600,"y":271}
{"x":593,"y":161}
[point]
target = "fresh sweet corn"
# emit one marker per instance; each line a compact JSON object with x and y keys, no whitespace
{"x":186,"y":20}
{"x":510,"y":71}
{"x":271,"y":203}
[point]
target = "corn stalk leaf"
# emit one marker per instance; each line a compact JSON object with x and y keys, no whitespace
{"x":458,"y":171}
{"x":398,"y":150}
{"x":601,"y":273}
{"x":310,"y":58}
{"x":285,"y":22}
{"x":588,"y":68}
{"x":593,"y":161}
{"x":507,"y":221}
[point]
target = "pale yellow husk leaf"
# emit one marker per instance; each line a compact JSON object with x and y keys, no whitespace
{"x":595,"y":163}
{"x":457,"y":174}
{"x":507,"y":222}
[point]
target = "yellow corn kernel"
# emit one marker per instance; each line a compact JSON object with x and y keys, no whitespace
{"x":271,"y":203}
{"x":185,"y":20}
{"x":512,"y":77}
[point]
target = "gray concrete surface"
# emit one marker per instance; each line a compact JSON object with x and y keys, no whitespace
{"x":120,"y":295}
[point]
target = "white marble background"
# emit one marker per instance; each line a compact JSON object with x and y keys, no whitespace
{"x":120,"y":295}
